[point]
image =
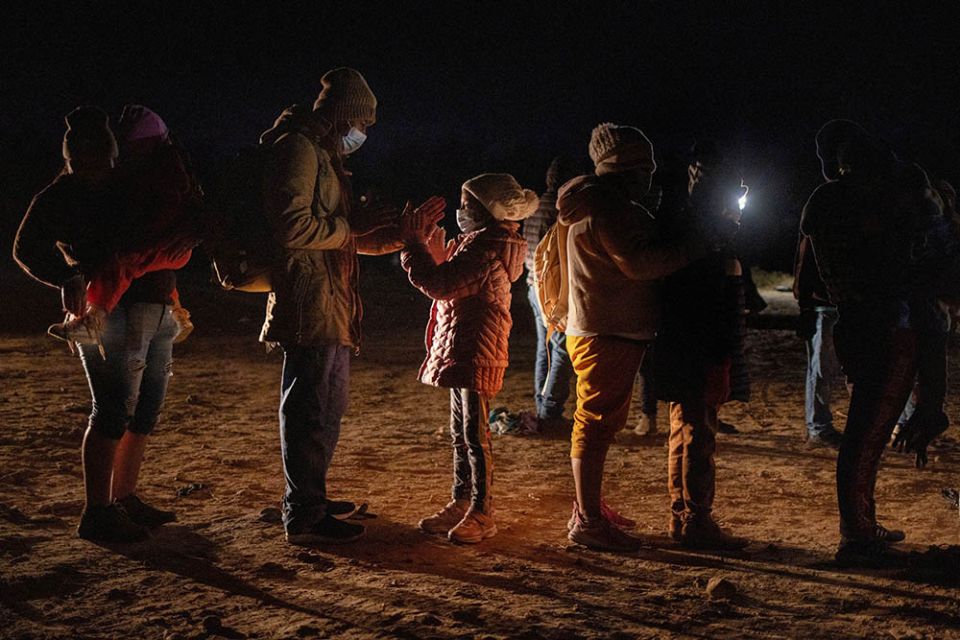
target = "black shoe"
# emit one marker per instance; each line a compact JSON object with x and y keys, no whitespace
{"x":888,"y":536}
{"x":110,"y":524}
{"x":828,"y":439}
{"x":327,"y":531}
{"x":143,"y":514}
{"x":726,"y":427}
{"x":868,"y":554}
{"x":341,"y":509}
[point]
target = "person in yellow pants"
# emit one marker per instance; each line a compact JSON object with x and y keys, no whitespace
{"x":614,"y":259}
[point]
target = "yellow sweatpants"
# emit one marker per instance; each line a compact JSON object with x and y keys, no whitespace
{"x":606,"y":367}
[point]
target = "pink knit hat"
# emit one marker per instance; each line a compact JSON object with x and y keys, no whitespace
{"x":138,"y":123}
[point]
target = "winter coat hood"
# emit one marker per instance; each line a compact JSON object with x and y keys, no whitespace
{"x":300,"y":119}
{"x":578,"y":197}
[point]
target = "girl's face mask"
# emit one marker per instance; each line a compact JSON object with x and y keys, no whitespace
{"x":469,"y":219}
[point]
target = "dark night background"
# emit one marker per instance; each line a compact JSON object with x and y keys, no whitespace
{"x":471,"y":87}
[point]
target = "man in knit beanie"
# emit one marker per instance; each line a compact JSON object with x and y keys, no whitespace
{"x":346,"y":96}
{"x":314,"y":310}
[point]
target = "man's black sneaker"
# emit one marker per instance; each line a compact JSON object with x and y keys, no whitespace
{"x":144,"y":514}
{"x":328,"y":531}
{"x":888,"y":536}
{"x":109,"y":524}
{"x":341,"y":509}
{"x":868,"y":554}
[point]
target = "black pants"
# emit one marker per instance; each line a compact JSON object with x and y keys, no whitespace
{"x":472,"y":448}
{"x":881,"y":365}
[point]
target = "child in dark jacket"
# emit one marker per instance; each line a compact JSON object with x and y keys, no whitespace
{"x":469,"y":280}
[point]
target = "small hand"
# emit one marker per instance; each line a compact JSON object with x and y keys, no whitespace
{"x":416,"y":225}
{"x":438,"y":247}
{"x":73,"y":295}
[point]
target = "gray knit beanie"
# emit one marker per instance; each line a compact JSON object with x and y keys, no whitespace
{"x":347,"y":96}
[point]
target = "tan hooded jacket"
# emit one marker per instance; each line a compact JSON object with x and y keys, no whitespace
{"x":615,"y":259}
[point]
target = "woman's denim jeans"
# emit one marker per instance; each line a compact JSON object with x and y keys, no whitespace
{"x":128,"y":388}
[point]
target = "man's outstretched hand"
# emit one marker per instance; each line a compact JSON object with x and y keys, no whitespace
{"x":364,"y":220}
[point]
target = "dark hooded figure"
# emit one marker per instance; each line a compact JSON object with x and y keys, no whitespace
{"x":697,"y":347}
{"x":862,"y":224}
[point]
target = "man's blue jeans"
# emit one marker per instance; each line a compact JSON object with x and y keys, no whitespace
{"x":551,"y":378}
{"x":313,"y":398}
{"x":822,"y":368}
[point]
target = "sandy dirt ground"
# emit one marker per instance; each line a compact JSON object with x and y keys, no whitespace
{"x":224,"y":570}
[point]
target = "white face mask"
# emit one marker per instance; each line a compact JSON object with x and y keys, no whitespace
{"x":467,"y":221}
{"x":353,"y":140}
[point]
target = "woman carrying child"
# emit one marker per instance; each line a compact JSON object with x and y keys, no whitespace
{"x":69,"y":239}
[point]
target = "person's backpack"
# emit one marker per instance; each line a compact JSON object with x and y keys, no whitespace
{"x":550,"y":277}
{"x":239,"y":240}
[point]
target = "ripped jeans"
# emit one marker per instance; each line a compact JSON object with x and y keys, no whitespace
{"x":129,"y":387}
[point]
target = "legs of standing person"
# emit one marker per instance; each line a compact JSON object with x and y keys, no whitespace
{"x":474,"y":451}
{"x":473,"y":468}
{"x":462,"y":477}
{"x":692,"y":446}
{"x":557,"y":388}
{"x":605,"y":368}
{"x":647,"y":424}
{"x":314,"y":392}
{"x":822,"y":367}
{"x":882,"y":368}
{"x":675,"y":448}
{"x":540,"y":365}
{"x":110,"y":389}
{"x":692,"y":477}
{"x":464,"y":436}
{"x":151,"y":329}
{"x":552,"y":368}
{"x":111,"y":453}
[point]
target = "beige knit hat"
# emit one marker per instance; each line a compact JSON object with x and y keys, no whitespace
{"x":502,"y":196}
{"x":615,"y":148}
{"x":347,"y":95}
